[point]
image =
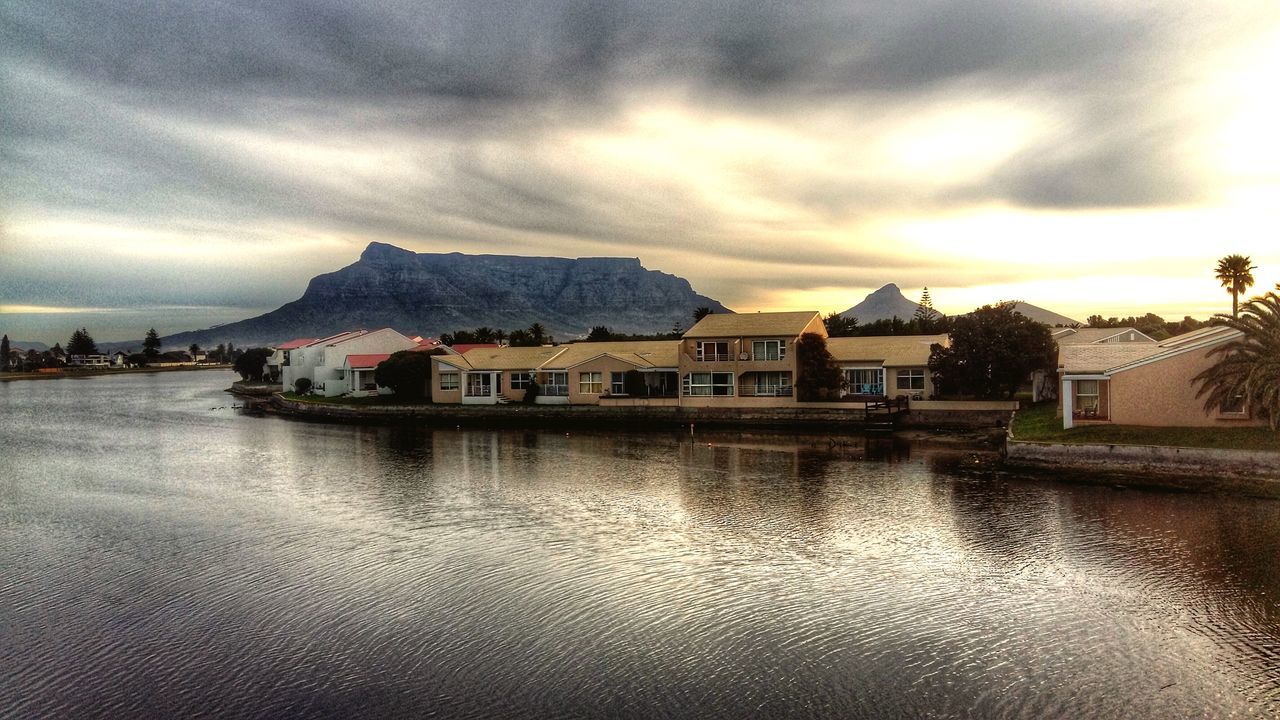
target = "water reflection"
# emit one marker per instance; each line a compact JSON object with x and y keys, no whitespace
{"x":163,"y":556}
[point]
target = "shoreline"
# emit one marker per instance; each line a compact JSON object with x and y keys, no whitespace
{"x":99,"y":372}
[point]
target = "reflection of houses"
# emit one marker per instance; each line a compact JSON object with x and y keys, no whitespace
{"x":886,"y":365}
{"x":1142,"y":383}
{"x":324,"y":361}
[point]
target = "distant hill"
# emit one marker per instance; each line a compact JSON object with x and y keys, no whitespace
{"x":28,"y":345}
{"x":433,"y":293}
{"x":883,"y":304}
{"x":1047,"y":317}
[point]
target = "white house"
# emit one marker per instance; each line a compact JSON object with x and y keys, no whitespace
{"x":324,"y":362}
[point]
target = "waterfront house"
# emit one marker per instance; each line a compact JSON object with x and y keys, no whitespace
{"x":886,"y":366}
{"x":589,"y":373}
{"x":280,"y":356}
{"x":494,"y":375}
{"x":89,"y":361}
{"x":1143,"y":383}
{"x":1100,"y":336}
{"x":743,"y":360}
{"x":324,"y":360}
{"x":358,"y":371}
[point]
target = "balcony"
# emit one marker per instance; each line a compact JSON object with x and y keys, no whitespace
{"x":713,"y":357}
{"x":765,"y":391}
{"x":555,"y":390}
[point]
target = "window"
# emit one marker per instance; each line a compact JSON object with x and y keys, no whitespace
{"x":520,"y":381}
{"x":697,"y":384}
{"x":1235,"y":407}
{"x":448,"y":381}
{"x":773,"y":383}
{"x":478,"y":384}
{"x":712,"y":350}
{"x":864,"y":381}
{"x":912,"y":379}
{"x":557,"y":384}
{"x":590,"y":383}
{"x":768,"y":350}
{"x":1087,"y":396}
{"x":617,"y":383}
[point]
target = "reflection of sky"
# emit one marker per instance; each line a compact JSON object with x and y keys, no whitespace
{"x":780,"y":157}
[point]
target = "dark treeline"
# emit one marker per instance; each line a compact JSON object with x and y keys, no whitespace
{"x":1150,"y":324}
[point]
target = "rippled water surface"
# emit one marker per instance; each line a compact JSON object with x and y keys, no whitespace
{"x":164,"y":555}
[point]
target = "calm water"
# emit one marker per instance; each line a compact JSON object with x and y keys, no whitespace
{"x":163,"y":555}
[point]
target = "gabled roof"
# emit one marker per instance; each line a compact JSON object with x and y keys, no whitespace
{"x":507,"y":358}
{"x":366,"y":361}
{"x":773,"y":324}
{"x":295,"y":343}
{"x":464,"y":348}
{"x":890,"y":350}
{"x":1110,"y":358}
{"x":335,"y":339}
{"x":1089,"y":336}
{"x":640,"y":353}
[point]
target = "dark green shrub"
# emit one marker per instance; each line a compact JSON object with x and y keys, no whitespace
{"x":302,"y":385}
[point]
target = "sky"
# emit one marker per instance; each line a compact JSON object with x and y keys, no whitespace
{"x":179,"y":165}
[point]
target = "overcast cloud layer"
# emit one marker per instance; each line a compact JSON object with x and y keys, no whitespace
{"x":779,"y":155}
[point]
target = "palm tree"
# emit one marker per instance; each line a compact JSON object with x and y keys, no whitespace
{"x":701,"y":313}
{"x":1235,"y":272}
{"x":1248,"y":368}
{"x":537,"y":333}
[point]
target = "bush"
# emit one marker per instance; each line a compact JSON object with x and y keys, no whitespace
{"x":407,"y":373}
{"x":531,"y":392}
{"x":817,"y":375}
{"x":252,"y":363}
{"x":302,"y":385}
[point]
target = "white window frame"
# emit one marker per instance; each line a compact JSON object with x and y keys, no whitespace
{"x":779,"y":348}
{"x":450,"y":381}
{"x":911,"y":375}
{"x":617,"y":383}
{"x":480,"y":381}
{"x":709,"y":384}
{"x":1078,"y":387}
{"x":521,"y":380}
{"x":591,"y":383}
{"x":772,"y":382}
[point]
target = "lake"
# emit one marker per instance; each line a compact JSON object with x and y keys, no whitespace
{"x":162,"y":554}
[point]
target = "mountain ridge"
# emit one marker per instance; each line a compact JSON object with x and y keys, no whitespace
{"x":433,"y":293}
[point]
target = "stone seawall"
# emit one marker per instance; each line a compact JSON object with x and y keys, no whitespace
{"x":825,"y":419}
{"x":1246,"y":471}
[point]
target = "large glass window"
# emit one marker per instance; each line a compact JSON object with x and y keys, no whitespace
{"x":478,"y":384}
{"x":557,"y":384}
{"x":702,"y":384}
{"x":590,"y":383}
{"x":448,"y":381}
{"x":520,"y":381}
{"x":865,"y":381}
{"x":712,"y":350}
{"x":773,"y":383}
{"x":768,"y":350}
{"x":911,"y":379}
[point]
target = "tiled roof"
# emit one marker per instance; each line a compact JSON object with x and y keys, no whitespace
{"x":641,"y":353}
{"x":366,"y":361}
{"x":1112,"y":357}
{"x":774,"y":324}
{"x":296,"y":343}
{"x":891,"y":350}
{"x":508,"y":358}
{"x":464,"y":348}
{"x":1087,"y":336}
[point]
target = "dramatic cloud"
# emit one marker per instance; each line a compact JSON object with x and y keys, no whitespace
{"x":172,"y":154}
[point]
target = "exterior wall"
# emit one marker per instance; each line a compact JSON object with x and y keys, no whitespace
{"x":891,"y":381}
{"x":603,"y":365}
{"x":513,"y":394}
{"x":1161,"y":394}
{"x":448,"y":397}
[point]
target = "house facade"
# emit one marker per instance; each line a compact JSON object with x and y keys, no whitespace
{"x":886,"y":366}
{"x":324,"y":362}
{"x":1144,"y":383}
{"x":743,"y":360}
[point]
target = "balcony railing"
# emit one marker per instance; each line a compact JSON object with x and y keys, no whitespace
{"x":768,"y":357}
{"x":866,"y":389}
{"x":713,"y":357}
{"x":768,"y":391}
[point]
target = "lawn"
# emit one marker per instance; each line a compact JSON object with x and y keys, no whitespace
{"x":387,"y":400}
{"x":1037,"y":422}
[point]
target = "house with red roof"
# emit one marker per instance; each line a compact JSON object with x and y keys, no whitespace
{"x":324,"y":361}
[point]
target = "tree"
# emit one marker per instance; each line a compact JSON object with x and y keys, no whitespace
{"x":219,"y":353}
{"x":840,"y":326}
{"x":302,"y":385}
{"x":926,"y":317}
{"x":483,"y":335}
{"x":599,"y":333}
{"x":702,"y":312}
{"x":251,"y":365}
{"x":531,"y":392}
{"x":817,"y":375}
{"x":537,"y":333}
{"x":993,"y":351}
{"x":1235,"y":272}
{"x":1246,"y":374}
{"x":136,"y":360}
{"x":4,"y":353}
{"x":81,"y":343}
{"x":151,"y":344}
{"x":499,"y":336}
{"x":520,"y":338}
{"x":407,"y":373}
{"x":194,"y":349}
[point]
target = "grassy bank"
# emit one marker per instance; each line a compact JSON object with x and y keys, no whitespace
{"x":1037,"y":423}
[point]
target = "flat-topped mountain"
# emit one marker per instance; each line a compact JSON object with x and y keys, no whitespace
{"x":433,"y":293}
{"x":883,"y":304}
